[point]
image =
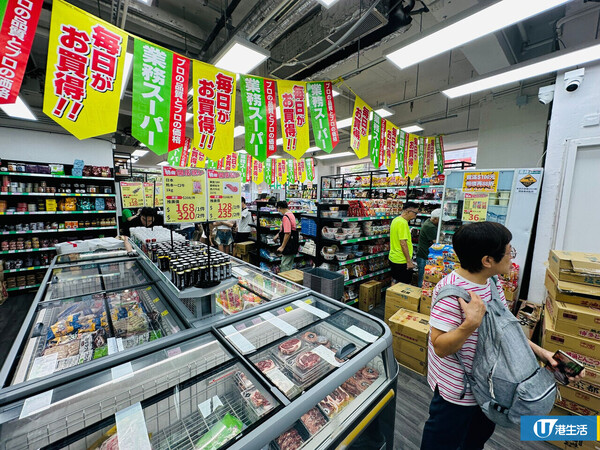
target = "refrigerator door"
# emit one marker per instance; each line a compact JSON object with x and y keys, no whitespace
{"x":122,"y":274}
{"x":71,"y":281}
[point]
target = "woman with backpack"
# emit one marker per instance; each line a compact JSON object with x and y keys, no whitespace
{"x":480,"y":365}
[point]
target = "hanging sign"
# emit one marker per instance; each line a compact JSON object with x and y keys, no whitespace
{"x":132,"y":194}
{"x":412,"y":156}
{"x":274,"y":179}
{"x":153,"y":191}
{"x":267,"y":176}
{"x":376,"y":140}
{"x":174,"y":157}
{"x":292,"y":101}
{"x":224,"y":195}
{"x":475,"y":207}
{"x":421,"y":163}
{"x":180,"y":76}
{"x":401,"y":152}
{"x":260,"y":120}
{"x":185,"y":154}
{"x":290,"y":171}
{"x":184,"y":194}
{"x":258,"y":175}
{"x":429,"y":156}
{"x":242,"y":167}
{"x":302,"y":171}
{"x":214,"y":110}
{"x":439,"y":153}
{"x":84,"y":72}
{"x":390,"y":146}
{"x":322,"y":113}
{"x":359,"y":138}
{"x":282,"y":171}
{"x":194,"y":157}
{"x":18,"y":22}
{"x":310,"y":169}
{"x":480,"y":182}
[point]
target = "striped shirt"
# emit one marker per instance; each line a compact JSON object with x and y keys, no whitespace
{"x":446,"y":315}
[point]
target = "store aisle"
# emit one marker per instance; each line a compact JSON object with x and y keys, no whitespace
{"x":12,"y":314}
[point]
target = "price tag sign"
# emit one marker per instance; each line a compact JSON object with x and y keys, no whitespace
{"x":152,"y":190}
{"x":224,"y":195}
{"x":475,"y":207}
{"x":184,"y":194}
{"x":480,"y":181}
{"x":132,"y":194}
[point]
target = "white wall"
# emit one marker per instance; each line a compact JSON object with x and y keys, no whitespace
{"x":511,"y":136}
{"x":43,"y":147}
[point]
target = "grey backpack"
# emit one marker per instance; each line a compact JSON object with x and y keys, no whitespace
{"x":506,"y":380}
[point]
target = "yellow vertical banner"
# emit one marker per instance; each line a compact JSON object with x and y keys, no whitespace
{"x":429,"y":156}
{"x":282,"y":171}
{"x":412,"y":156}
{"x":258,"y":172}
{"x":214,"y":110}
{"x":359,"y":137}
{"x":84,"y":72}
{"x":294,"y":120}
{"x":391,"y":144}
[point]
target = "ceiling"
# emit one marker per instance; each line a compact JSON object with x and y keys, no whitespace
{"x":304,"y":40}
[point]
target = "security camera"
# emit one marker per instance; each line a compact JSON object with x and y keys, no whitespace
{"x":573,"y":79}
{"x":546,"y":94}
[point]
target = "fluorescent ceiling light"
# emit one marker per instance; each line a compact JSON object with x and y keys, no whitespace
{"x":126,"y":73}
{"x":279,"y":141}
{"x":163,"y":163}
{"x":335,"y":92}
{"x":334,"y":155}
{"x":142,"y":145}
{"x":499,"y":15}
{"x":145,"y":2}
{"x":242,"y":151}
{"x":278,"y":112}
{"x":240,"y":56}
{"x":238,"y":131}
{"x":526,"y":71}
{"x":191,"y":92}
{"x":19,"y":110}
{"x":188,"y":116}
{"x":344,"y":123}
{"x":275,"y":157}
{"x":412,"y":129}
{"x":313,"y":149}
{"x":384,"y":111}
{"x":327,"y":3}
{"x":139,"y":153}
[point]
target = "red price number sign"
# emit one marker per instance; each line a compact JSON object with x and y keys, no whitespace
{"x":473,"y":217}
{"x":225,"y":210}
{"x":185,"y":211}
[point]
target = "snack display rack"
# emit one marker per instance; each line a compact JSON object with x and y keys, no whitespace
{"x":199,"y":381}
{"x":300,"y":191}
{"x":30,"y":201}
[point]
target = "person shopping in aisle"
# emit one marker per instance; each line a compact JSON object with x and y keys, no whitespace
{"x":243,"y":224}
{"x":401,"y":248}
{"x":146,"y":217}
{"x":288,"y":236}
{"x":224,"y":235}
{"x":455,"y":419}
{"x":427,"y":236}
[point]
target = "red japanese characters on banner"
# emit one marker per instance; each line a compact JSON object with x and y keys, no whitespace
{"x":333,"y":130}
{"x":356,"y":129}
{"x":185,"y":153}
{"x":194,"y":157}
{"x":364,"y":123}
{"x":16,"y":37}
{"x":214,"y":102}
{"x":249,"y":168}
{"x":221,"y":163}
{"x":390,"y":143}
{"x":273,"y":171}
{"x":271,"y":104}
{"x":299,"y":105}
{"x":382,"y":140}
{"x":179,"y":94}
{"x":289,"y":125}
{"x":301,"y":171}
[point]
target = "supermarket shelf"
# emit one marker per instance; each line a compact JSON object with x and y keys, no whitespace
{"x":25,"y":269}
{"x":425,"y":201}
{"x":424,"y":215}
{"x":47,"y":194}
{"x":352,"y":302}
{"x":47,"y":175}
{"x":427,"y":186}
{"x":58,"y":231}
{"x":360,"y":239}
{"x":362,"y":258}
{"x":356,"y":219}
{"x":367,"y":276}
{"x":10,"y":252}
{"x":22,"y":288}
{"x":23,"y":213}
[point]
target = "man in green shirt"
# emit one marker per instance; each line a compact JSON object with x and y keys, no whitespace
{"x":401,"y":248}
{"x":427,"y":237}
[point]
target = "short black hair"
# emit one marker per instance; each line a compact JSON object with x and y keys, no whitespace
{"x":475,"y":240}
{"x":148,"y":212}
{"x":243,"y":200}
{"x":282,"y":204}
{"x":410,"y":205}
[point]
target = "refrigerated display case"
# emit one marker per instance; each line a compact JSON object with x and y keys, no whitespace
{"x":207,"y":391}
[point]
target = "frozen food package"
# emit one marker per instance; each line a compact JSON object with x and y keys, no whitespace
{"x":220,"y":433}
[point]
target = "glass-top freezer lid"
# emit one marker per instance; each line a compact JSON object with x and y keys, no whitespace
{"x":122,"y":274}
{"x":262,"y":284}
{"x":76,"y":280}
{"x":88,"y":256}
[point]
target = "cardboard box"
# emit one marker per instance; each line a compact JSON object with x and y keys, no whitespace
{"x":412,"y":363}
{"x":564,"y":313}
{"x":563,"y":341}
{"x":295,"y":275}
{"x":435,"y":279}
{"x":425,"y":305}
{"x":243,"y":248}
{"x":367,"y":295}
{"x":410,"y":326}
{"x":584,"y":401}
{"x":380,"y":285}
{"x":509,"y":295}
{"x":577,"y":294}
{"x":404,"y":296}
{"x":576,"y":267}
{"x":410,"y":349}
{"x":529,"y":315}
{"x":568,"y":445}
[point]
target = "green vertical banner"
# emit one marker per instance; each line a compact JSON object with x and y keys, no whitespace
{"x":152,"y":73}
{"x":322,"y":113}
{"x":439,"y":153}
{"x":375,"y":142}
{"x":174,"y":157}
{"x":260,"y":120}
{"x":267,"y":170}
{"x":290,"y":171}
{"x":310,"y":169}
{"x":421,"y":156}
{"x":3,"y":5}
{"x":401,"y":152}
{"x":242,"y":167}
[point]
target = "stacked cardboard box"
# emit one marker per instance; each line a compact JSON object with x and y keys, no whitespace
{"x":242,"y":249}
{"x":369,"y":295}
{"x":568,"y":445}
{"x":572,"y":324}
{"x":399,"y":296}
{"x":410,"y":331}
{"x":295,"y":275}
